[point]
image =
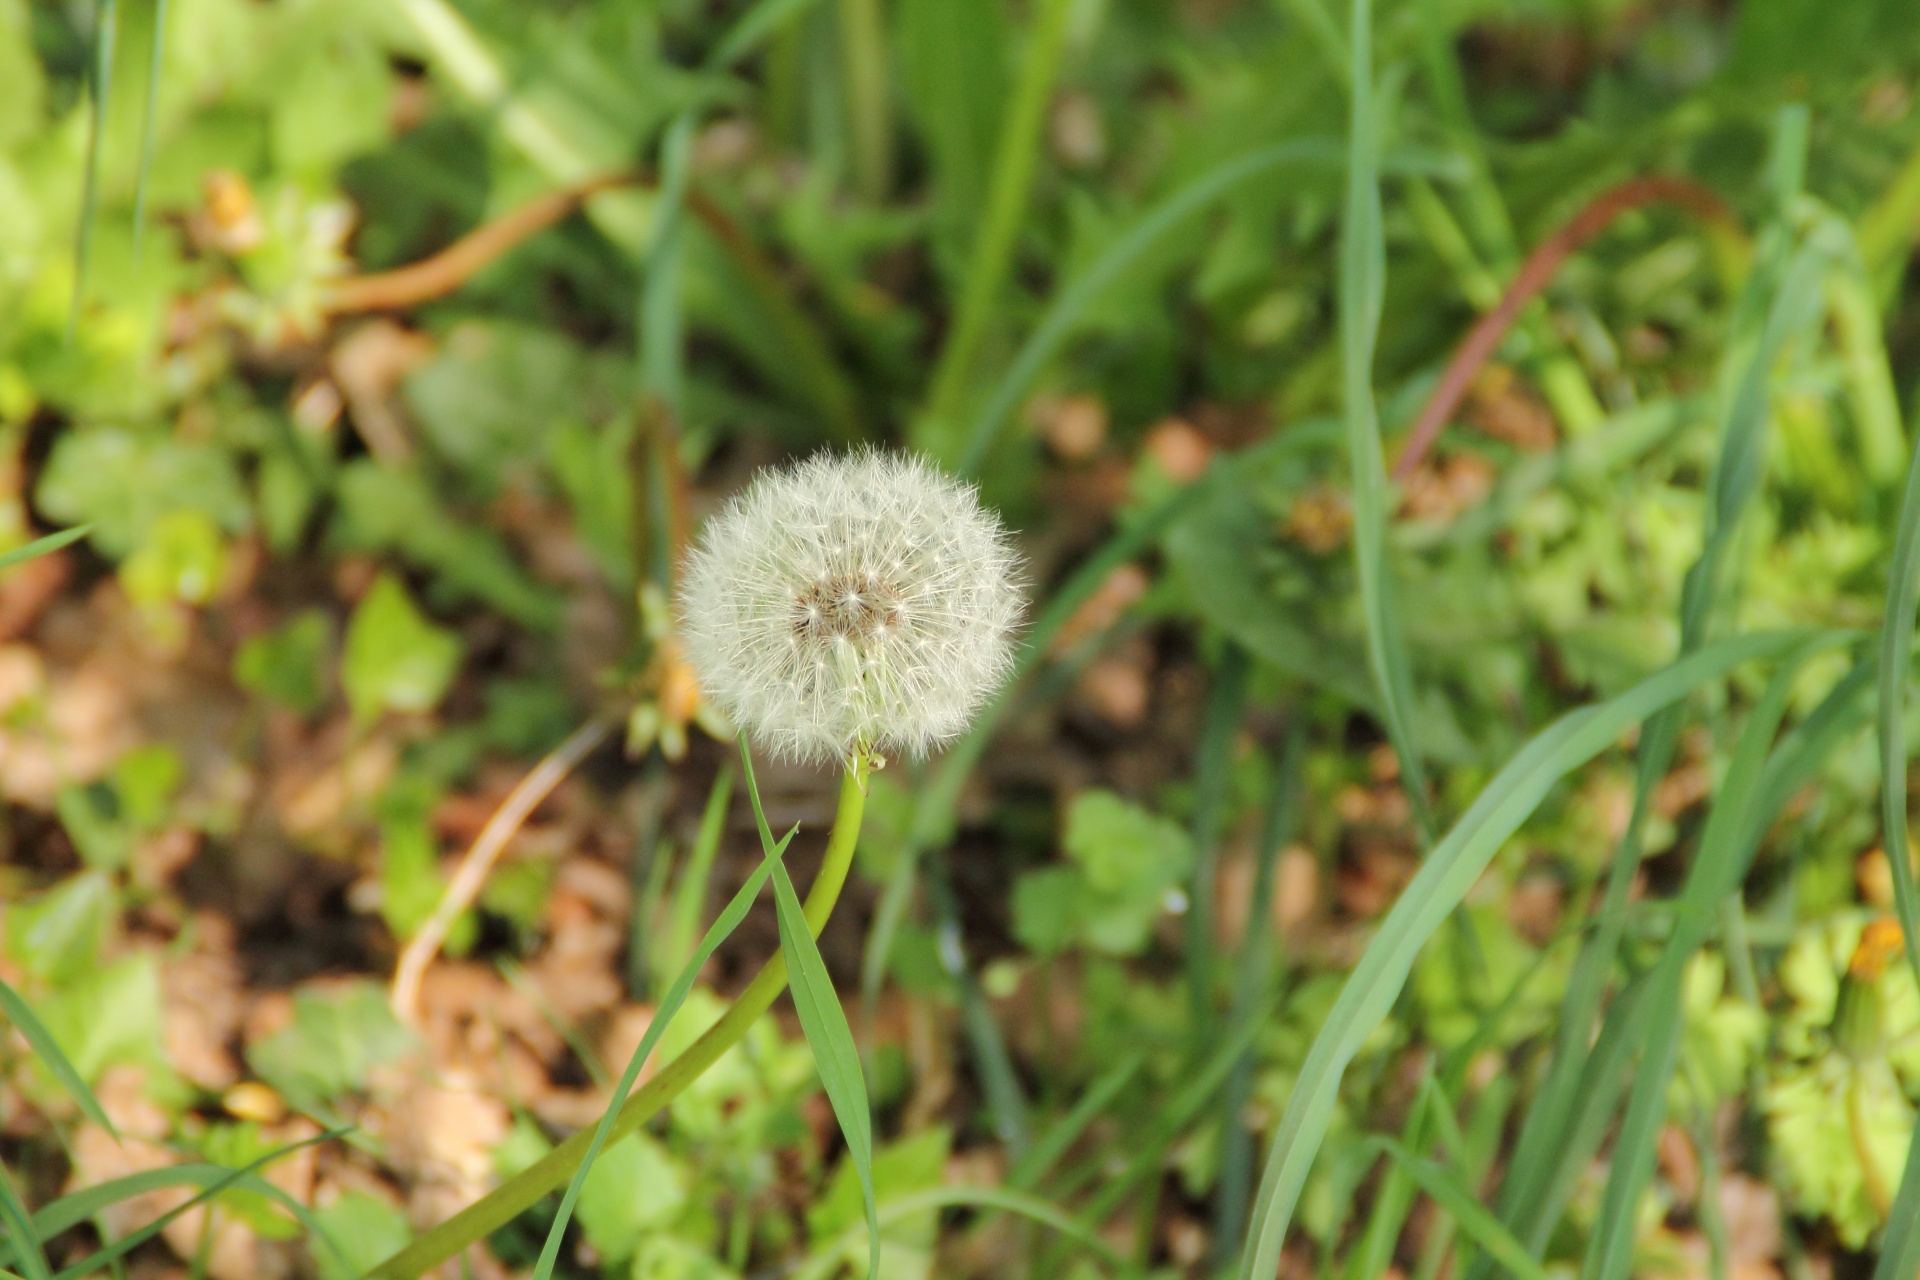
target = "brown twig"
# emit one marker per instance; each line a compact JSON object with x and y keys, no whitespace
{"x":454,"y":265}
{"x":1534,"y":275}
{"x":478,"y":862}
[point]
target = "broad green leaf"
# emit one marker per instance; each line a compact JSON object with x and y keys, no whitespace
{"x":58,"y":935}
{"x":394,"y":658}
{"x":635,"y":1188}
{"x":107,"y":1015}
{"x":336,"y":1037}
{"x":122,"y":482}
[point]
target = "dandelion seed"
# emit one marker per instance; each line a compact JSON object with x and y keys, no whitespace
{"x":854,"y":602}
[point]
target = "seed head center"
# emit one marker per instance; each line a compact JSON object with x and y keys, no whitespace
{"x":857,"y":607}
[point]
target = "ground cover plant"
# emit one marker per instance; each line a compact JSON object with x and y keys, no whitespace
{"x":1066,"y":638}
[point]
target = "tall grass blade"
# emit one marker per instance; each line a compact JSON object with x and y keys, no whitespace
{"x":1253,"y":973}
{"x":1900,"y":1249}
{"x":1446,"y":874}
{"x":826,"y":1260}
{"x":1362,"y":282}
{"x":722,"y":928}
{"x":1212,"y":776}
{"x":21,"y":1015}
{"x":42,"y":546}
{"x":28,"y":1253}
{"x":76,"y":1207}
{"x":1051,"y":1145}
{"x":822,"y":1020}
{"x":1896,"y":659}
{"x":1786,"y":292}
{"x":1070,"y":305}
{"x":1451,"y":1194}
{"x":1015,"y":158}
{"x":246,"y":1175}
{"x":1734,"y":827}
{"x":106,"y":26}
{"x":148,"y":122}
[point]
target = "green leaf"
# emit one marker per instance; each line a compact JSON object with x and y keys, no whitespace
{"x":122,"y":481}
{"x":635,"y":1188}
{"x":395,"y":660}
{"x":367,"y":1229}
{"x":1445,"y":875}
{"x":336,"y":1037}
{"x":109,"y":1014}
{"x":51,"y":1057}
{"x":90,"y":815}
{"x":913,"y":1164}
{"x":58,"y":935}
{"x":288,"y":665}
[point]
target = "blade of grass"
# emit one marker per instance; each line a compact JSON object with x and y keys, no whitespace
{"x":1445,"y":875}
{"x":863,"y":61}
{"x":821,"y":1018}
{"x":1006,"y":1098}
{"x":1051,"y":1145}
{"x":149,"y":119}
{"x":1896,"y":660}
{"x":661,"y":347}
{"x":1071,"y":303}
{"x":1785,"y":290}
{"x":110,"y":1254}
{"x":41,"y":546}
{"x":722,"y":928}
{"x":935,"y":800}
{"x":1362,"y":282}
{"x":76,"y":1207}
{"x":690,"y":894}
{"x":27,"y":1249}
{"x":549,"y":1173}
{"x":1254,"y":972}
{"x":1734,"y":827}
{"x":1900,"y":1249}
{"x":1445,"y":1188}
{"x":1015,"y":157}
{"x":823,"y":1260}
{"x":21,"y":1015}
{"x":106,"y":26}
{"x":1212,"y":776}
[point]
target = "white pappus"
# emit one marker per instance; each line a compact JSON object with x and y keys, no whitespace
{"x":851,"y":602}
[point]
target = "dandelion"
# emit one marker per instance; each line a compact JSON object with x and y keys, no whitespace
{"x":851,"y":603}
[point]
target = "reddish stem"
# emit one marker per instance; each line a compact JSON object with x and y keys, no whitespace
{"x":1534,"y":275}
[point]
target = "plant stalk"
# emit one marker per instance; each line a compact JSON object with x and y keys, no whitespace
{"x":525,"y":1189}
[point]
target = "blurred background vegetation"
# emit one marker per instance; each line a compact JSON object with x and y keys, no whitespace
{"x":391,"y":350}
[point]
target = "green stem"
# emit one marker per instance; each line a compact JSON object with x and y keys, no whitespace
{"x":863,"y":57}
{"x":1013,"y":166}
{"x":526,"y":1188}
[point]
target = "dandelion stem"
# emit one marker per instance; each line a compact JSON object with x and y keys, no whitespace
{"x":505,"y":1202}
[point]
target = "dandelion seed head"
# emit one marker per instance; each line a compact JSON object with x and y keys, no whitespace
{"x":860,"y":601}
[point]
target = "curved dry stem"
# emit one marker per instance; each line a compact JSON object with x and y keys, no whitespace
{"x":1533,"y":277}
{"x":523,"y":1190}
{"x":478,"y":862}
